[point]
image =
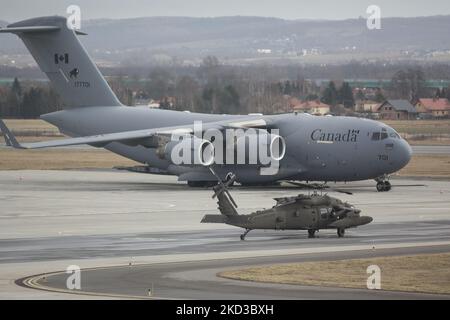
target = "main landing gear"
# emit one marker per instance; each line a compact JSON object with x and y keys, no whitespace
{"x":311,"y":233}
{"x":245,"y":233}
{"x":340,"y":232}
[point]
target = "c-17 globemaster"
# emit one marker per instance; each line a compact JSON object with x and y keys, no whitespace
{"x":305,"y":147}
{"x":302,"y":212}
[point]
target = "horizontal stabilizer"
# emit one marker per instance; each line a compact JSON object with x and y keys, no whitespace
{"x":214,"y":218}
{"x":29,"y":29}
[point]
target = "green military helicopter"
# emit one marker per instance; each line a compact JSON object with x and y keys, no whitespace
{"x":302,"y":212}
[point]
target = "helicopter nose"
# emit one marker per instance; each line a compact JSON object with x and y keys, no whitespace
{"x":365,"y":220}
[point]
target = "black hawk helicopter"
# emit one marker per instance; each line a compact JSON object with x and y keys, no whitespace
{"x":302,"y":212}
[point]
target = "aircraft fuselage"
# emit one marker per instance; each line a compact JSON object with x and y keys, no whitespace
{"x":317,"y":148}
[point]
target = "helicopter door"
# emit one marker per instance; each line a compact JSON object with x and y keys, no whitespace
{"x":309,"y":218}
{"x":324,"y":216}
{"x":315,"y":218}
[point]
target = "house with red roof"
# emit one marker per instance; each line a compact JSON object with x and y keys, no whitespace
{"x":438,"y":108}
{"x":315,"y":107}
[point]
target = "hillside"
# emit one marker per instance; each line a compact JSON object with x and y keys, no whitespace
{"x":239,"y":38}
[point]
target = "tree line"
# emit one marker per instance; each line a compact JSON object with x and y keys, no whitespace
{"x":30,"y":101}
{"x":217,"y":88}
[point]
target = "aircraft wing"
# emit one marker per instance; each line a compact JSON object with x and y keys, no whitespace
{"x":135,"y":137}
{"x":92,"y":140}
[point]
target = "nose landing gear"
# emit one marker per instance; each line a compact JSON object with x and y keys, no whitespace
{"x":383,"y":184}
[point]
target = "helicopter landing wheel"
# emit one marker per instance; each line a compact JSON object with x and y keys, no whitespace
{"x":244,"y":234}
{"x":311,"y":233}
{"x":340,"y":232}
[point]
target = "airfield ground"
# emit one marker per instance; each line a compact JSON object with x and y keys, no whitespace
{"x":420,"y":273}
{"x":129,"y":231}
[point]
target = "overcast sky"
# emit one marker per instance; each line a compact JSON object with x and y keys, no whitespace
{"x":12,"y":10}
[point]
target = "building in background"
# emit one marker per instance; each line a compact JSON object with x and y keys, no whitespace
{"x":397,"y":110}
{"x":314,"y":107}
{"x":433,"y":108}
{"x":368,"y":106}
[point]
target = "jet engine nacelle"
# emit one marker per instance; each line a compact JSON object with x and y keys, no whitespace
{"x":189,"y":150}
{"x":258,"y":148}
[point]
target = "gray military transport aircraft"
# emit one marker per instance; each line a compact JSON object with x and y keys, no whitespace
{"x":306,"y":147}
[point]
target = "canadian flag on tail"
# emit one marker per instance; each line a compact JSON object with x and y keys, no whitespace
{"x":60,"y":58}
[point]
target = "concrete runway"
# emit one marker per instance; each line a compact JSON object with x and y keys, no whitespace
{"x":431,"y":149}
{"x":52,"y":219}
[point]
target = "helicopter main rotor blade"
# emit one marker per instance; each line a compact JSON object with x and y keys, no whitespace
{"x":317,"y":187}
{"x":342,"y":191}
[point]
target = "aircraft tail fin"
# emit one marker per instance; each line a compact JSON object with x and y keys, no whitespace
{"x":61,"y":56}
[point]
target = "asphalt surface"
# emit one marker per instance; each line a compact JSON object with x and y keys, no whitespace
{"x":198,"y":280}
{"x":431,"y":149}
{"x":53,"y":219}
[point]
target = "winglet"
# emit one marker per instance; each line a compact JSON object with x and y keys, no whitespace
{"x":10,"y":139}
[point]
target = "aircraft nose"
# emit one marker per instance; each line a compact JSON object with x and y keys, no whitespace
{"x":405,"y":153}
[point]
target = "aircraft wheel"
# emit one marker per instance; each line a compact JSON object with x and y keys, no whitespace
{"x":311,"y":233}
{"x":383,"y":186}
{"x":242,"y":237}
{"x":340,"y":232}
{"x":380,"y":186}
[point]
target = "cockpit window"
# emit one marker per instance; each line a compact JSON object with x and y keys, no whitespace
{"x":379,"y":135}
{"x":376,"y":136}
